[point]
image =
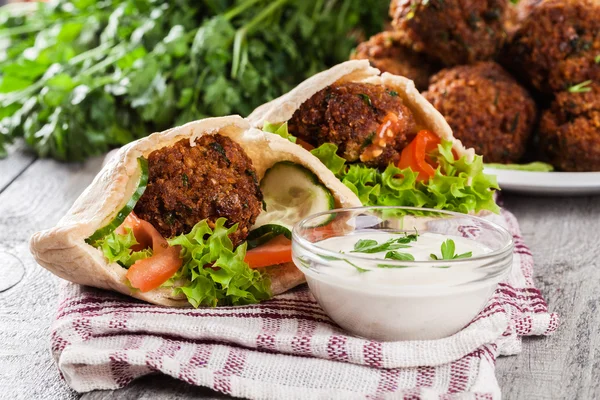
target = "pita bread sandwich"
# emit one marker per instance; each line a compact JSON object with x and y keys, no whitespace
{"x":197,"y":215}
{"x":382,"y":139}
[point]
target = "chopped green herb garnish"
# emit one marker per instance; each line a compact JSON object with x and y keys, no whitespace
{"x":216,"y":146}
{"x":370,"y":246}
{"x":369,"y":140}
{"x":581,"y":87}
{"x":597,"y":59}
{"x":359,"y":269}
{"x":185,"y":180}
{"x":329,"y":258}
{"x":448,"y":248}
{"x":395,"y":255}
{"x":366,"y":99}
{"x":392,"y":93}
{"x":392,"y":266}
{"x":515,"y":122}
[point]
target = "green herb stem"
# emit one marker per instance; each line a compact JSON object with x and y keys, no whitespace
{"x":249,"y":27}
{"x":20,"y":30}
{"x":234,"y":12}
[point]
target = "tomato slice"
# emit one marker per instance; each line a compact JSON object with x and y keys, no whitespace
{"x":415,"y":154}
{"x":305,"y":145}
{"x":276,"y":251}
{"x":150,"y":273}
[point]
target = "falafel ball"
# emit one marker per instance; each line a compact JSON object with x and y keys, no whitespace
{"x":212,"y":179}
{"x":486,"y":109}
{"x":517,"y":14}
{"x":453,"y":31}
{"x":386,"y":52}
{"x":351,"y":116}
{"x":570,"y":131}
{"x":557,"y":45}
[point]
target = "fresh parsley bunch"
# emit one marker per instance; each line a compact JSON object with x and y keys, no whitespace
{"x":79,"y":77}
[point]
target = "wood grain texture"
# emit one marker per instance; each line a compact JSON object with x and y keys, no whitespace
{"x":563,"y":233}
{"x":564,"y":236}
{"x":35,"y":200}
{"x":14,"y":164}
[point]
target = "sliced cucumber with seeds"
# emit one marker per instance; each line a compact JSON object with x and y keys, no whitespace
{"x":126,"y":210}
{"x":292,"y":193}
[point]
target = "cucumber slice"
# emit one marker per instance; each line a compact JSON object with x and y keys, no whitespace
{"x":126,"y":210}
{"x":265,"y":233}
{"x":292,"y":193}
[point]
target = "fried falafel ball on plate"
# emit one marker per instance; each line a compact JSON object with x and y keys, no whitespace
{"x":453,"y":31}
{"x":557,"y":45}
{"x":351,"y":116}
{"x":386,"y":52}
{"x":486,"y":109}
{"x":569,"y":131}
{"x":518,"y":12}
{"x":211,"y":179}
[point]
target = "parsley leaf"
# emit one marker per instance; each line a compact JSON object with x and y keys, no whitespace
{"x":394,"y":255}
{"x":448,"y":248}
{"x":80,"y":77}
{"x":370,"y":246}
{"x":582,"y":87}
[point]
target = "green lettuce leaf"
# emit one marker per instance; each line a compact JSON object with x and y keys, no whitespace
{"x":213,"y":273}
{"x":117,"y":248}
{"x":458,"y":185}
{"x":279,"y":129}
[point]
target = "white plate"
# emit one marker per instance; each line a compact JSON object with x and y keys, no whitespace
{"x":548,"y":183}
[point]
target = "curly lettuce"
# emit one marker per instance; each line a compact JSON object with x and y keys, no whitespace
{"x":279,"y":129}
{"x":117,"y":248}
{"x":213,"y":273}
{"x":458,"y":185}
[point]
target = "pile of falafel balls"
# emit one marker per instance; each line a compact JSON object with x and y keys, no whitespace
{"x":520,"y":82}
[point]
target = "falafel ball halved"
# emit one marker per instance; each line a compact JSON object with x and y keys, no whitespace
{"x":351,"y":115}
{"x":569,"y":131}
{"x":386,"y":52}
{"x":486,"y":109}
{"x":214,"y":178}
{"x":557,"y":45}
{"x":453,"y":31}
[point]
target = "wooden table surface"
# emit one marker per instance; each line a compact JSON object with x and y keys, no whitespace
{"x":563,"y":233}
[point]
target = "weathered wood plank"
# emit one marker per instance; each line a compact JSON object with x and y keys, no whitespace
{"x":35,"y":200}
{"x":564,"y":236}
{"x":12,"y":166}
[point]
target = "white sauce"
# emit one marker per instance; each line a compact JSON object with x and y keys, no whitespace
{"x":421,"y":250}
{"x":415,"y":303}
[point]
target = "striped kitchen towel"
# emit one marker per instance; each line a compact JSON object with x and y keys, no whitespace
{"x":288,"y":348}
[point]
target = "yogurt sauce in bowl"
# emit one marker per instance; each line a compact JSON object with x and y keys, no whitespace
{"x":379,"y":279}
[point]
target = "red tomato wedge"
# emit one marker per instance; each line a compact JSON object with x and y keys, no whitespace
{"x":150,"y":273}
{"x":415,"y":154}
{"x":276,"y":251}
{"x":305,"y":145}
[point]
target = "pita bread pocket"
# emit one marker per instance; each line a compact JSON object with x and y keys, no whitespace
{"x":385,"y":133}
{"x":75,"y":248}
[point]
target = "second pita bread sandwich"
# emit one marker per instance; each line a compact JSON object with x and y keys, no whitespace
{"x":382,"y":139}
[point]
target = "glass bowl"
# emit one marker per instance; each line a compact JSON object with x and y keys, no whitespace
{"x":386,"y":299}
